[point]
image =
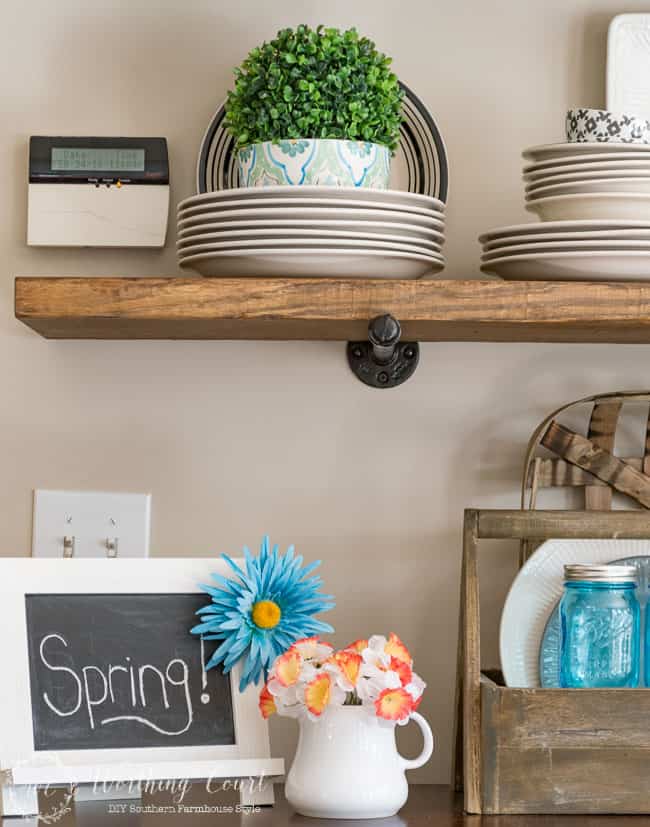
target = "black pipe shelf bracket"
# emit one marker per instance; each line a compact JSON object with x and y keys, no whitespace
{"x":384,"y":361}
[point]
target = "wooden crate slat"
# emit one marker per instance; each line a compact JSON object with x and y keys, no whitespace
{"x":526,"y":718}
{"x":571,"y":781}
{"x":507,"y":524}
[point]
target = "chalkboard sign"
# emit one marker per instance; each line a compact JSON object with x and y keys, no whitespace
{"x":122,"y":670}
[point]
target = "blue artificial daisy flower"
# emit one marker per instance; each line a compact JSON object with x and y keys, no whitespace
{"x":263,"y":613}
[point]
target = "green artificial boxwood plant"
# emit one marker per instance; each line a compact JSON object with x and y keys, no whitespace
{"x":315,"y":83}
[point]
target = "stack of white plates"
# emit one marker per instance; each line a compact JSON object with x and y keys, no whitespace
{"x":578,"y":181}
{"x":569,"y":250}
{"x":594,"y":202}
{"x":311,"y":231}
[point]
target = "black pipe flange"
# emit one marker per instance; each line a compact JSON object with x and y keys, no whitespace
{"x":384,"y":361}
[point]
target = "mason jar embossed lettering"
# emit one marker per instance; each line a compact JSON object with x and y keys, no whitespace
{"x":600,"y":627}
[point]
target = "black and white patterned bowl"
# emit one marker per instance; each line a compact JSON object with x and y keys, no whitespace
{"x":602,"y":126}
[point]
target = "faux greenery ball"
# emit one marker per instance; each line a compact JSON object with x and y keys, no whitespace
{"x":320,"y":83}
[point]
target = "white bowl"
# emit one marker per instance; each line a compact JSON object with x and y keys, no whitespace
{"x":600,"y":185}
{"x":606,"y":206}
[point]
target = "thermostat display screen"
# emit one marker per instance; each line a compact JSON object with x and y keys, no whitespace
{"x":95,"y":159}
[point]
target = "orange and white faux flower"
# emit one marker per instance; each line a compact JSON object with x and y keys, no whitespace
{"x":375,"y":652}
{"x":415,"y":688}
{"x":321,"y":693}
{"x":394,"y":705}
{"x":285,"y":671}
{"x":357,"y":645}
{"x":345,"y":666}
{"x":310,"y":678}
{"x":396,"y":649}
{"x":267,"y":703}
{"x":313,"y":649}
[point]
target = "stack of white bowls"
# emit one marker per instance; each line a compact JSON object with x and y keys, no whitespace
{"x":592,"y":195}
{"x":302,"y":231}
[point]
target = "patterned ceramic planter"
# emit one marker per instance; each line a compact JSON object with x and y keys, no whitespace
{"x":326,"y":162}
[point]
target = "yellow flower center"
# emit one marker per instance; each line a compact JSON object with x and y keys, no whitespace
{"x":266,"y":614}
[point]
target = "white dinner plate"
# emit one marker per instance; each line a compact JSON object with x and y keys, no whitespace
{"x":319,"y":263}
{"x":301,"y":214}
{"x":306,"y":237}
{"x":533,"y":596}
{"x":550,"y":152}
{"x":586,"y":168}
{"x":579,"y":226}
{"x":305,"y":244}
{"x":624,"y":265}
{"x":601,"y":237}
{"x":600,"y":185}
{"x":295,"y":200}
{"x":370,"y":196}
{"x":579,"y":178}
{"x":360,"y":228}
{"x":562,"y":247}
{"x":630,"y":206}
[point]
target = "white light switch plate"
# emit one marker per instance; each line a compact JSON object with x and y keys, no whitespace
{"x":92,"y":518}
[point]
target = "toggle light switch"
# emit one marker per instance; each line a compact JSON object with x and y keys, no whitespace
{"x":90,"y":524}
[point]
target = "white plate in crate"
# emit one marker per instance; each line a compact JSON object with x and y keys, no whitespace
{"x":534,"y":595}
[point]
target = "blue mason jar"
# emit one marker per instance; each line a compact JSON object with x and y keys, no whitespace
{"x":600,"y":627}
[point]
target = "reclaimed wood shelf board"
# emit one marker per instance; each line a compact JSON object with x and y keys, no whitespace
{"x":332,"y":309}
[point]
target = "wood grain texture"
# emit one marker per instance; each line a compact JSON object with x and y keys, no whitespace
{"x":334,"y":309}
{"x":576,"y":781}
{"x":545,"y":718}
{"x":582,"y":452}
{"x":471,"y":654}
{"x":554,"y":472}
{"x":602,"y":432}
{"x":507,"y":524}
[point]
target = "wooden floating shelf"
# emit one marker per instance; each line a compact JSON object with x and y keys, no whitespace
{"x":332,"y":309}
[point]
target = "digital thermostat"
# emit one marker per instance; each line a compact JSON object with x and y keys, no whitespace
{"x":97,"y":192}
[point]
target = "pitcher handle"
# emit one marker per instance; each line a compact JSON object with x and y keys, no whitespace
{"x":427,"y":749}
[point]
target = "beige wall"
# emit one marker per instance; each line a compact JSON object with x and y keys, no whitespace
{"x":237,"y":439}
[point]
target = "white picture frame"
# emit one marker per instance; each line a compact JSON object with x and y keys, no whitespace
{"x":25,"y":767}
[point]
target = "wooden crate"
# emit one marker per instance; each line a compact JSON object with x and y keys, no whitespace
{"x":546,"y":750}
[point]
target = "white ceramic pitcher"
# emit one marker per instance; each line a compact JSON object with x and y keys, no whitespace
{"x":347,"y":766}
